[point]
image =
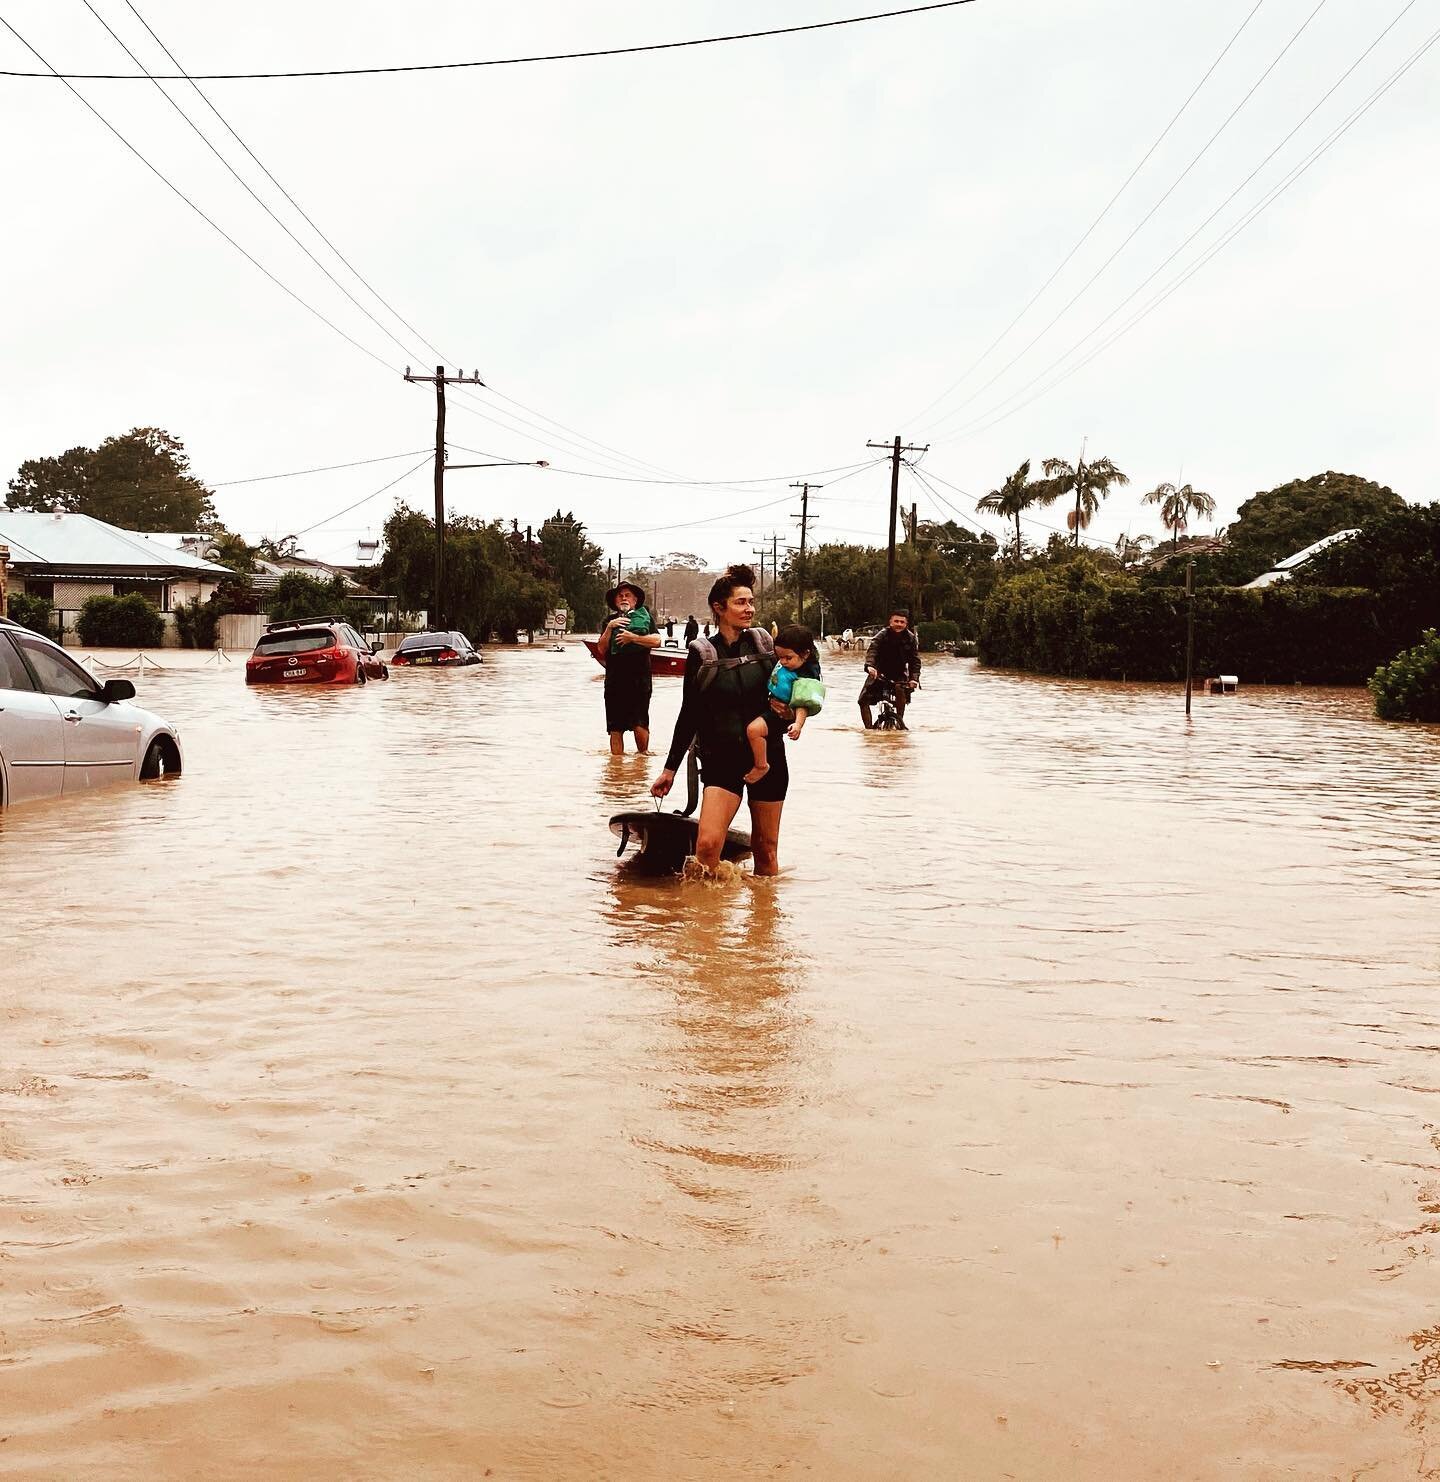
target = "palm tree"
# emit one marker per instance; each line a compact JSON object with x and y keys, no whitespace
{"x":1177,"y":505}
{"x":1013,"y":498}
{"x":1088,"y":482}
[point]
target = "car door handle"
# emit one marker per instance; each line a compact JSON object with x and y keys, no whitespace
{"x":72,"y":718}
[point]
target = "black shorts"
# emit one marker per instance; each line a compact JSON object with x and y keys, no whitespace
{"x":726,"y":770}
{"x":627,"y":705}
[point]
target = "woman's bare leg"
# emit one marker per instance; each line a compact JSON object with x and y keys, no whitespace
{"x":617,"y":743}
{"x":642,"y":738}
{"x":717,"y":811}
{"x":765,"y":836}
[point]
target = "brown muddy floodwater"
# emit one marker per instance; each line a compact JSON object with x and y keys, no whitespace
{"x":1068,"y":1108}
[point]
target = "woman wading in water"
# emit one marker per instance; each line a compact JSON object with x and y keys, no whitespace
{"x":720,"y":700}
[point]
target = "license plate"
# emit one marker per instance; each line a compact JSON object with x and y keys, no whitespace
{"x":425,"y":661}
{"x":294,"y":673}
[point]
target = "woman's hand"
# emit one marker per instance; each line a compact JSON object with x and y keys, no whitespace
{"x":782,"y":710}
{"x":662,"y":784}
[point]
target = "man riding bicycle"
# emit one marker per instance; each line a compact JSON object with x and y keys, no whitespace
{"x":893,"y":659}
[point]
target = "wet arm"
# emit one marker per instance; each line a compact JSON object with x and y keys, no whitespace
{"x":688,"y":721}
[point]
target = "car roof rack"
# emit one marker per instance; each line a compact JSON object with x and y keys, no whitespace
{"x":310,"y":622}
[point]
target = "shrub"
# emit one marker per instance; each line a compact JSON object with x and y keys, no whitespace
{"x":1053,"y":623}
{"x":121,"y":622}
{"x":298,"y":596}
{"x":1408,"y":687}
{"x":34,"y":613}
{"x":931,"y":635}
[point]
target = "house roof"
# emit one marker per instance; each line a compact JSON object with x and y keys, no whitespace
{"x":57,"y":541}
{"x":1282,"y":570}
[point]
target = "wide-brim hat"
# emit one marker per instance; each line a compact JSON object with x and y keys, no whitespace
{"x":625,"y":586}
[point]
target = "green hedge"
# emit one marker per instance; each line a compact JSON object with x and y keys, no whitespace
{"x":1408,"y":687}
{"x":121,"y":622}
{"x":35,"y":613}
{"x":1073,"y":622}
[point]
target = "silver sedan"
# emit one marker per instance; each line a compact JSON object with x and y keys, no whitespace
{"x":63,"y":732}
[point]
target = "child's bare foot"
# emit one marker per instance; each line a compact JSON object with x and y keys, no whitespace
{"x":756,"y":772}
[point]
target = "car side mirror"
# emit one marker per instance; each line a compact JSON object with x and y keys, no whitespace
{"x":377,"y":648}
{"x":116,"y":689}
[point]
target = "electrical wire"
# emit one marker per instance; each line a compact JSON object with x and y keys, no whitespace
{"x":988,"y":419}
{"x":208,"y":220}
{"x":564,"y":56}
{"x":428,"y":458}
{"x":296,"y":473}
{"x":1089,"y":230}
{"x":1139,"y":226}
{"x":1024,"y":519}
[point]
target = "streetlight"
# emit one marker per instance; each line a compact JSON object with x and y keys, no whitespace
{"x":438,"y":620}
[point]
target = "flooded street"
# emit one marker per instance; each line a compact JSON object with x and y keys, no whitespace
{"x":1068,"y":1108}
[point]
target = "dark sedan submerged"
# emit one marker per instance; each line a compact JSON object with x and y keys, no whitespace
{"x":450,"y":649}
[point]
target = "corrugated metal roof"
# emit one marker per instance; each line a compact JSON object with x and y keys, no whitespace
{"x":81,"y":540}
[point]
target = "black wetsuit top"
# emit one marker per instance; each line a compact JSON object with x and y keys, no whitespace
{"x":715,"y":719}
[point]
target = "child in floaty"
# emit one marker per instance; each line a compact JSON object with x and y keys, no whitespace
{"x":795,"y":681}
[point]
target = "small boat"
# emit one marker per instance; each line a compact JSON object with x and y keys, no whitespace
{"x":668,"y":659}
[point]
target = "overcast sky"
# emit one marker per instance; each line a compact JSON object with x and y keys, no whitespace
{"x":738,"y":262}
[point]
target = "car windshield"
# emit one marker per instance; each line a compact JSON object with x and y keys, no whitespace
{"x":305,"y":641}
{"x":429,"y":640}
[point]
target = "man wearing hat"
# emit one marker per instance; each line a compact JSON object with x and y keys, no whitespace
{"x":625,"y":644}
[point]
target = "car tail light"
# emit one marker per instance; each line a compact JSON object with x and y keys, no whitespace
{"x":447,"y":653}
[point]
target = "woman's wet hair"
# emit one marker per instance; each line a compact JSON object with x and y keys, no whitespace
{"x":727,"y":581}
{"x":797,"y":639}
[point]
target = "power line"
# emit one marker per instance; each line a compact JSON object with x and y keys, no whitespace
{"x":209,"y":221}
{"x":1089,"y":230}
{"x":378,"y":492}
{"x":988,"y":419}
{"x":564,"y":56}
{"x":304,"y":216}
{"x":1139,"y":226}
{"x":295,"y":473}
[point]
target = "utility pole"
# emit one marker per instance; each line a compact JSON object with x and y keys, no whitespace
{"x":804,"y":489}
{"x":440,"y":380}
{"x":895,"y":449}
{"x":759,"y":550}
{"x":774,"y":566}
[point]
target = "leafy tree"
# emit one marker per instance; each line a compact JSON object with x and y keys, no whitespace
{"x":1278,"y":522}
{"x":488,"y":585}
{"x":1013,"y":498}
{"x":1131,"y":550}
{"x":298,"y":595}
{"x":1088,"y":482}
{"x":139,"y":481}
{"x":574,"y":560}
{"x":229,"y":549}
{"x":851,"y":579}
{"x":1177,"y":505}
{"x":279,"y":547}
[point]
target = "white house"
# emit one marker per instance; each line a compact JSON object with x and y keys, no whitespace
{"x":67,"y":558}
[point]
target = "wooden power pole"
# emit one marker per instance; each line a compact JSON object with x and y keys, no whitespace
{"x":805,"y":517}
{"x":895,"y":449}
{"x":440,"y":380}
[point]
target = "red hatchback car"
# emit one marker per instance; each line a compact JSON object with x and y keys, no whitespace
{"x":323,"y":650}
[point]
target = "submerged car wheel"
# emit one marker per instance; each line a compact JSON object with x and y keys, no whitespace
{"x":360,"y":675}
{"x":161,"y":761}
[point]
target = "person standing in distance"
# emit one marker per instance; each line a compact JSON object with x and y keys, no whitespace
{"x":625,"y":644}
{"x":692,"y":630}
{"x":893,"y":656}
{"x":727,"y":682}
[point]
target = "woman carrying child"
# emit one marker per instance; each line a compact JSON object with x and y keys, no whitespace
{"x":727,"y":679}
{"x":794,"y":687}
{"x":625,"y":644}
